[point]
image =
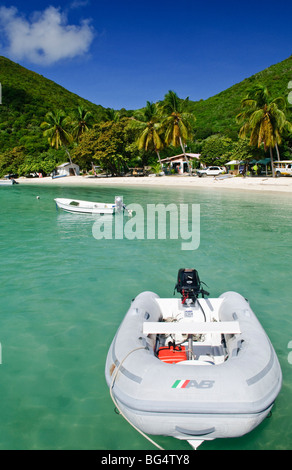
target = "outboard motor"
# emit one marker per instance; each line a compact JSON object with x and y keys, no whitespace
{"x":189,"y":284}
{"x":190,"y":287}
{"x":120,"y":206}
{"x":119,"y":203}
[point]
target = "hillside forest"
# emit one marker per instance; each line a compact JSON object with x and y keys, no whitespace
{"x":43,"y":125}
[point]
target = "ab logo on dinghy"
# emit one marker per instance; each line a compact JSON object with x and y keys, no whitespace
{"x":193,"y":383}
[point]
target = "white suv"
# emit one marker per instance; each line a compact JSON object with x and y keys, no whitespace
{"x":211,"y":171}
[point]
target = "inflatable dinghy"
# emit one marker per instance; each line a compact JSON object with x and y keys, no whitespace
{"x":192,"y":368}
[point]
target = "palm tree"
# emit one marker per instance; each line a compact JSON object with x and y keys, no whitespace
{"x":55,"y":130}
{"x":110,"y":114}
{"x":80,"y":122}
{"x":149,"y":126}
{"x":177,"y":123}
{"x":264,"y":120}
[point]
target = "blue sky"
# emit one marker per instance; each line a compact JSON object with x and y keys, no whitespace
{"x":123,"y":53}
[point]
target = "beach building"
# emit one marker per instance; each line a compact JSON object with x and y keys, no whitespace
{"x":178,"y":162}
{"x":68,"y":169}
{"x":234,"y":166}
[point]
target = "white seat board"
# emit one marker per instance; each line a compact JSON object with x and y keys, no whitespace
{"x":229,"y":327}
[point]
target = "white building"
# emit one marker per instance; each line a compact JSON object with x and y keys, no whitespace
{"x":178,"y":162}
{"x":68,"y":169}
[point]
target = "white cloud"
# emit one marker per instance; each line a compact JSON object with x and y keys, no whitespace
{"x":79,"y":4}
{"x":44,"y":39}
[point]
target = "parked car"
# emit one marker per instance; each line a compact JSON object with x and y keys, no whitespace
{"x":283,"y":168}
{"x":32,"y":175}
{"x":210,"y":171}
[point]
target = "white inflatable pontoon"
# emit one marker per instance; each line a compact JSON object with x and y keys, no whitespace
{"x":190,"y":368}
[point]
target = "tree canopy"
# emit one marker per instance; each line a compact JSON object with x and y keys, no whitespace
{"x":264,"y":119}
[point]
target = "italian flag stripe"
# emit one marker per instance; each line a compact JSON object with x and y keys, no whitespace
{"x":185,"y":384}
{"x":175,"y":385}
{"x":180,"y":384}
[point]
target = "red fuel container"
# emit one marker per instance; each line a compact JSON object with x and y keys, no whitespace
{"x":172,"y":355}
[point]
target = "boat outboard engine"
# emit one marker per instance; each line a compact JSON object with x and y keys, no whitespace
{"x":119,"y":203}
{"x":189,"y":285}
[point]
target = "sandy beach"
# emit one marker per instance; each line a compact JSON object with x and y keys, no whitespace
{"x":283,"y":185}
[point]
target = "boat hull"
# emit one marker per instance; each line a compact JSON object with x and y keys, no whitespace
{"x":194,"y":426}
{"x":84,"y":207}
{"x":193,"y":402}
{"x":7,"y":182}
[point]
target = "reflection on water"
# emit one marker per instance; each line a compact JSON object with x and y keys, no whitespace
{"x":75,"y":225}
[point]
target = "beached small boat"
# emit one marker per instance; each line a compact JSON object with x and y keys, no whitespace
{"x":88,"y":207}
{"x":54,"y":177}
{"x":192,"y":368}
{"x":8,"y":182}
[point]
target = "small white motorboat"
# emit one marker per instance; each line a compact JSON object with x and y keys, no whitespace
{"x":87,"y":207}
{"x":192,"y":368}
{"x":7,"y":182}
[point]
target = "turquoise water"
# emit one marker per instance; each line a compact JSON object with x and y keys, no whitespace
{"x":64,"y":293}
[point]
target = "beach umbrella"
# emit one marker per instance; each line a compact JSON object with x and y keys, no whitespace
{"x":265,"y":161}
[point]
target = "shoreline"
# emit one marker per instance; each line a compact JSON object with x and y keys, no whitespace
{"x":259,"y":183}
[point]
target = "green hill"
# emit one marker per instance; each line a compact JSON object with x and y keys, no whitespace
{"x":217,"y":114}
{"x":26,"y":98}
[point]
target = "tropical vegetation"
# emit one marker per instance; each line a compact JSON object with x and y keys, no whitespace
{"x":177,"y":123}
{"x":43,"y":125}
{"x":264,"y":120}
{"x":148,"y":125}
